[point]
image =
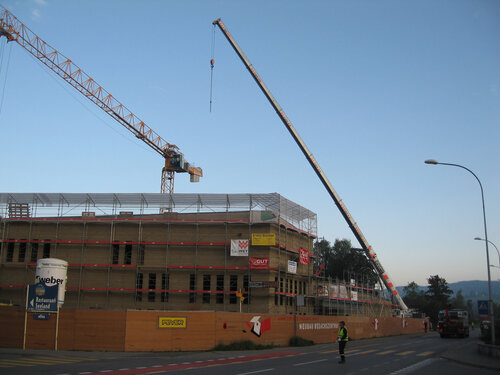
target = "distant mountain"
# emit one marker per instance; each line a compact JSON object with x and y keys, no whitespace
{"x":473,"y":290}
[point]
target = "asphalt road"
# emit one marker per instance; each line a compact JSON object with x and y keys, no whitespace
{"x":411,"y":354}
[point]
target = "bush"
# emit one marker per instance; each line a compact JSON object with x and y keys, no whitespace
{"x":299,"y":341}
{"x":242,"y":345}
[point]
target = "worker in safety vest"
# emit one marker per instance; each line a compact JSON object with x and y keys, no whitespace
{"x":342,"y":339}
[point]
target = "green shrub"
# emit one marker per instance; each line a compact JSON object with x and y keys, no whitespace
{"x":242,"y":345}
{"x":299,"y":341}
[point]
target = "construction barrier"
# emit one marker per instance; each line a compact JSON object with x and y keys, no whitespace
{"x":139,"y":330}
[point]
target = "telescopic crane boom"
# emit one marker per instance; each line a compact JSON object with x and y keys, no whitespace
{"x":15,"y":30}
{"x":314,"y":164}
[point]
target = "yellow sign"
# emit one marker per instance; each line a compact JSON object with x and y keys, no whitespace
{"x":172,"y":322}
{"x":263,"y":239}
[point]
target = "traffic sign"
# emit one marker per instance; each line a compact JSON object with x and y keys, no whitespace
{"x":42,"y":298}
{"x":483,"y":309}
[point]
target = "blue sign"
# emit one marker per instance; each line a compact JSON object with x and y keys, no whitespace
{"x":42,"y":298}
{"x":41,"y":316}
{"x":482,"y":309}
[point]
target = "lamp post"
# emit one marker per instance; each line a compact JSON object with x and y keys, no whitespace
{"x":435,"y":162}
{"x":496,"y":248}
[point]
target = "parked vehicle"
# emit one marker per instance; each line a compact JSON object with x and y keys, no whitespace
{"x":453,"y":322}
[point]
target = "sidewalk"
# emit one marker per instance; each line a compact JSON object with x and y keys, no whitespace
{"x":468,"y":354}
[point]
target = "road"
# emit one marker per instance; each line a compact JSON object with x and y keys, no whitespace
{"x":410,"y":354}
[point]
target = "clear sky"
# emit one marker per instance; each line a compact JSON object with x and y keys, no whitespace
{"x":373,"y":87}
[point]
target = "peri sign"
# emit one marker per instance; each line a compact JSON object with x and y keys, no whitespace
{"x":42,"y":298}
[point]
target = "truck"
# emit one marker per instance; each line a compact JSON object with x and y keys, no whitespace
{"x":453,"y":322}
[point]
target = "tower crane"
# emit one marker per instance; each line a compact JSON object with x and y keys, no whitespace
{"x":14,"y":30}
{"x":314,"y":164}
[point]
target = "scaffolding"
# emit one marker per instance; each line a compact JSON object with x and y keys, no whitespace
{"x":76,"y":219}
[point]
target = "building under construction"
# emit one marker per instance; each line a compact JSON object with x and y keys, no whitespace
{"x":218,"y":252}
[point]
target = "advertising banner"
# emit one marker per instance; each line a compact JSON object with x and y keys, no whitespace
{"x":354,"y":295}
{"x":259,"y":263}
{"x":262,"y":284}
{"x":172,"y":322}
{"x":304,"y":256}
{"x":292,"y":266}
{"x":263,"y":239}
{"x":239,"y":248}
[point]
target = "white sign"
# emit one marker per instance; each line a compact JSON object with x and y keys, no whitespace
{"x":292,"y":266}
{"x":354,"y":295}
{"x":239,"y":248}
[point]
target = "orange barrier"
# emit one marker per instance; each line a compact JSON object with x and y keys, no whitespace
{"x":139,"y":330}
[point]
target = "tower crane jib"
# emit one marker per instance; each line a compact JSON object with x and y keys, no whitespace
{"x":15,"y":30}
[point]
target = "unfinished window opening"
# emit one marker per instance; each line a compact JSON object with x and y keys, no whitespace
{"x":165,"y":285}
{"x":34,"y":252}
{"x":206,"y":287}
{"x":152,"y":285}
{"x":22,"y":252}
{"x":116,"y":254}
{"x":219,"y":287}
{"x":128,"y":254}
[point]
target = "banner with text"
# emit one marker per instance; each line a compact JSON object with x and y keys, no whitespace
{"x":259,"y":263}
{"x":239,"y":248}
{"x":304,"y":256}
{"x":263,"y":239}
{"x":292,"y":266}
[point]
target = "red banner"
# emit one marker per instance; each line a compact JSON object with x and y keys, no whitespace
{"x":259,"y":263}
{"x":304,"y":256}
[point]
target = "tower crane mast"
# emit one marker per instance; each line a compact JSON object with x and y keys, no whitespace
{"x":314,"y":164}
{"x":14,"y":30}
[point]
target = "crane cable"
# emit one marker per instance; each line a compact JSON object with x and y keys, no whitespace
{"x":6,"y":71}
{"x":212,"y":62}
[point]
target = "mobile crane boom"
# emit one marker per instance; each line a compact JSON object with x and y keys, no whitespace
{"x":15,"y":30}
{"x":314,"y":164}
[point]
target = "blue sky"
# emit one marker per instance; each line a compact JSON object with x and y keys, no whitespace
{"x":373,"y":87}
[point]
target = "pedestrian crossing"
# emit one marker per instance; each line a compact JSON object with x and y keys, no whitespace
{"x":381,"y":352}
{"x":40,"y":361}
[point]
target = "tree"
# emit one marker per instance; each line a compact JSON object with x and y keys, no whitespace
{"x":438,"y":290}
{"x":414,"y":297}
{"x":437,"y":297}
{"x":342,"y":262}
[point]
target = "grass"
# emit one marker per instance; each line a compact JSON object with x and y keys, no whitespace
{"x":242,"y":345}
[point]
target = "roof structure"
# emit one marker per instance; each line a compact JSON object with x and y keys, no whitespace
{"x":71,"y":204}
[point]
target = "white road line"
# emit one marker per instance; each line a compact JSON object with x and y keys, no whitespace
{"x":410,"y":369}
{"x":256,"y":372}
{"x":308,"y":363}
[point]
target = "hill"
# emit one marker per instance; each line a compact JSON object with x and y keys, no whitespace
{"x":473,"y":290}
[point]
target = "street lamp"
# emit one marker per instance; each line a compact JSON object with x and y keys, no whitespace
{"x":435,"y":162}
{"x":496,"y":248}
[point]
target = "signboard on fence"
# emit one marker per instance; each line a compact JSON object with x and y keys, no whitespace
{"x":42,"y":298}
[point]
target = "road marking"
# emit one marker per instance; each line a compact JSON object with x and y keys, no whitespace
{"x":336,"y":351}
{"x":308,"y":363}
{"x":256,"y":372}
{"x":410,"y":369}
{"x":367,"y":351}
{"x":386,"y":352}
{"x":424,"y":354}
{"x":406,"y":353}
